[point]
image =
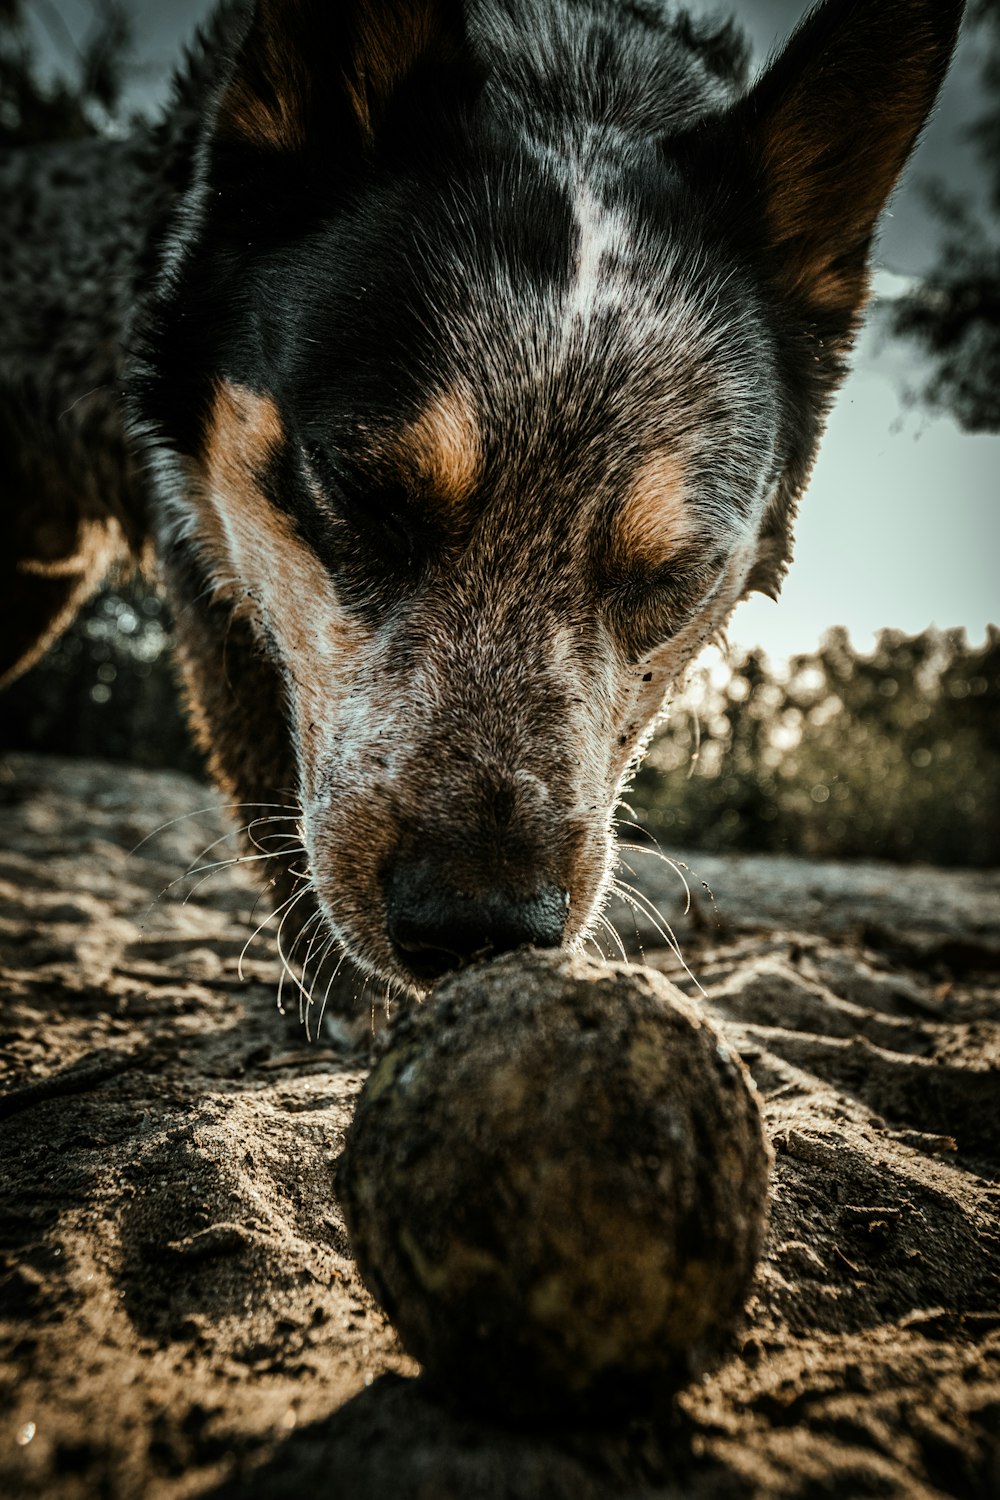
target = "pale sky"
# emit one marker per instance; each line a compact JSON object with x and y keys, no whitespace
{"x":901,"y":523}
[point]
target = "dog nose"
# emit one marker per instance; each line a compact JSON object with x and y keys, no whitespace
{"x":434,"y":927}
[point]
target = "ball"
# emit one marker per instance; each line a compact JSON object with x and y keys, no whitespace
{"x":555,"y":1184}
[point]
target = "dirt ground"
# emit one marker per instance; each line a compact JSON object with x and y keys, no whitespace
{"x":179,"y":1315}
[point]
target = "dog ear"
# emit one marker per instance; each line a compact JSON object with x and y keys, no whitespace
{"x":308,"y":71}
{"x":804,"y":164}
{"x":829,"y":127}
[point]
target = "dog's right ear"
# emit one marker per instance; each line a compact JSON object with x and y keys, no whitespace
{"x":322,"y":75}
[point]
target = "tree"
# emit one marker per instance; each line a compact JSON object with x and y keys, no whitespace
{"x":106,"y":686}
{"x":893,"y":755}
{"x":955,"y":314}
{"x":74,"y":106}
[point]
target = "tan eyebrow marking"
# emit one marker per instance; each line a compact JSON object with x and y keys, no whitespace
{"x":654,"y":522}
{"x":443,"y":448}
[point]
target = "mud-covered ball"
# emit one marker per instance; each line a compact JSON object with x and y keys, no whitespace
{"x":555,"y":1184}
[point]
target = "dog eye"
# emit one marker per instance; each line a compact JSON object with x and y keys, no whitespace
{"x":378,"y":515}
{"x":649,"y":605}
{"x":684,"y":576}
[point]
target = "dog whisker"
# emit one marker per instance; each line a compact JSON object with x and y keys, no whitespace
{"x":206,"y":871}
{"x":286,"y":967}
{"x":258,"y":840}
{"x":328,"y":946}
{"x":202,"y":812}
{"x":590,"y":938}
{"x":296,"y":896}
{"x":316,"y":922}
{"x":287,"y":972}
{"x":235,"y":833}
{"x":608,"y":926}
{"x":640,"y":902}
{"x":657,"y":853}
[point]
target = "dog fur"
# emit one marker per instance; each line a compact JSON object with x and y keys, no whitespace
{"x":465,"y":364}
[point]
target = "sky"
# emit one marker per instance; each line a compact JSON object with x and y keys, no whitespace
{"x":900,"y":525}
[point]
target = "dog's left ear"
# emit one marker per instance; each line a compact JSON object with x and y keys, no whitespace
{"x":828,"y":128}
{"x":804,"y":164}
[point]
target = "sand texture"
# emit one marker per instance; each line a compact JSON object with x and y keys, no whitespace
{"x":179,"y":1314}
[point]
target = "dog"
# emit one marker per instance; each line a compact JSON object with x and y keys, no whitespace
{"x":464,"y":365}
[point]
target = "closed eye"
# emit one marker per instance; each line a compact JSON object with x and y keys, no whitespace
{"x":681,"y":580}
{"x":379,"y":513}
{"x":649,"y":605}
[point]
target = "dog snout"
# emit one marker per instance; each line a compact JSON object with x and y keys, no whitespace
{"x":433,"y":926}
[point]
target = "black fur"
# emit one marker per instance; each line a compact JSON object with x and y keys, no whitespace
{"x":565,"y":239}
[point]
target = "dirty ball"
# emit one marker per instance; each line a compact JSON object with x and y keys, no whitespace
{"x":555,"y":1184}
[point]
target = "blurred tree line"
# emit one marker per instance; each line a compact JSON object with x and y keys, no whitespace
{"x":895,"y":755}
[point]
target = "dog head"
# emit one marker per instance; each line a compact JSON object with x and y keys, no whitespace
{"x":491,"y":356}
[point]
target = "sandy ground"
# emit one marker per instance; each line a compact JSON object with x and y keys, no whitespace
{"x":179,"y":1315}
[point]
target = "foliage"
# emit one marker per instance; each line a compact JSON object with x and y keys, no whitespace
{"x":106,"y":688}
{"x":893,"y":756}
{"x":81,"y":102}
{"x":955,"y":314}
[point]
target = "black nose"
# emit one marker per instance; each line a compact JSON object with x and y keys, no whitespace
{"x":433,"y":927}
